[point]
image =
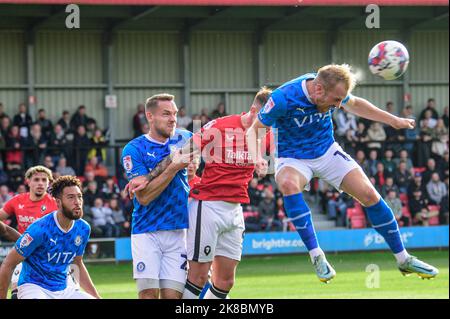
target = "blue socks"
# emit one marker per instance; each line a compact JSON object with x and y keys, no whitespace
{"x":384,"y":222}
{"x":300,"y":215}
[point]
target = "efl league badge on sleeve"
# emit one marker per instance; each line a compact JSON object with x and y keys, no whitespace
{"x":25,"y":241}
{"x":127,"y":163}
{"x":269,"y":105}
{"x":78,"y":240}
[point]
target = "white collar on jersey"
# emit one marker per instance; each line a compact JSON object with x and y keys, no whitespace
{"x":155,"y":141}
{"x":306,"y":91}
{"x":59,"y":226}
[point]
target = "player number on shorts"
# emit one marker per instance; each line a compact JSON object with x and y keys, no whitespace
{"x":343,"y":156}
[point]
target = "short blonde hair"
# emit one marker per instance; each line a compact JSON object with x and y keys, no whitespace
{"x":262,"y":97}
{"x":39,"y":169}
{"x":152,"y":101}
{"x":332,"y":74}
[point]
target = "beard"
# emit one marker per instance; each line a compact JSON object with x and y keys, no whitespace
{"x":165,"y":133}
{"x":70,"y":214}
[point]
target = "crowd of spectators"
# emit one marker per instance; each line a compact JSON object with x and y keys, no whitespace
{"x":408,"y":167}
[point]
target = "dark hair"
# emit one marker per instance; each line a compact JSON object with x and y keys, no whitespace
{"x":63,"y":182}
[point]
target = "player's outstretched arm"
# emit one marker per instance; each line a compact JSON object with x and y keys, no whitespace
{"x":6,"y":270}
{"x":85,"y":280}
{"x":8,"y":232}
{"x":254,"y":135}
{"x":365,"y":109}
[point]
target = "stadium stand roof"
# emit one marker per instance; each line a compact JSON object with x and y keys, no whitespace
{"x":309,"y":15}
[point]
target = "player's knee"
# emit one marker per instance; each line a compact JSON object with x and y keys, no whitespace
{"x":224,"y":284}
{"x":288,"y":186}
{"x":148,"y":294}
{"x":369,"y":197}
{"x":198,"y":279}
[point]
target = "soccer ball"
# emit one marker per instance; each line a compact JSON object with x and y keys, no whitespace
{"x":388,"y":59}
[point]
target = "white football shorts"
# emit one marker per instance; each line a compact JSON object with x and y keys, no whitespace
{"x":216,"y":228}
{"x":332,"y":166}
{"x":32,"y":291}
{"x":159,"y":259}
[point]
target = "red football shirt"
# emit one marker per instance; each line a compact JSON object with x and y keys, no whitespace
{"x":27,"y":211}
{"x":227,"y":167}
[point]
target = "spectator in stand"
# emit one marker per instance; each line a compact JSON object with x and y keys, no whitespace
{"x":430,"y":170}
{"x":63,"y":169}
{"x":380,"y":175}
{"x":436,"y":189}
{"x":444,"y":116}
{"x":416,"y":183}
{"x":402,"y":177}
{"x":390,"y":108}
{"x":103,"y":219}
{"x":361,"y":137}
{"x":372,"y":162}
{"x":110,"y":189}
{"x":91,"y":127}
{"x":424,"y":147}
{"x":394,"y":137}
{"x":345,"y":124}
{"x":411,"y":136}
{"x":396,"y":205}
{"x":36,"y":146}
{"x":336,"y":206}
{"x":89,"y":176}
{"x":139,"y":119}
{"x":100,"y":170}
{"x":144,"y":128}
{"x":196,"y":118}
{"x":404,"y":157}
{"x":48,"y":162}
{"x":64,"y":121}
{"x":82,"y":145}
{"x":119,"y":218}
{"x":443,"y":166}
{"x":360,"y":158}
{"x":431,"y":107}
{"x":23,"y":120}
{"x":439,"y":135}
{"x":2,"y":111}
{"x":98,"y":143}
{"x":376,"y":135}
{"x":219,"y":111}
{"x":204,"y":119}
{"x":428,"y":120}
{"x":183,"y":120}
{"x":388,"y":162}
{"x":268,"y":215}
{"x":389,"y":185}
{"x":5,"y":195}
{"x":91,"y":193}
{"x":21,"y":189}
{"x":418,"y":206}
{"x":79,"y":118}
{"x":14,"y":154}
{"x":58,"y":143}
{"x":46,"y":124}
{"x":254,"y":193}
{"x":5,"y":126}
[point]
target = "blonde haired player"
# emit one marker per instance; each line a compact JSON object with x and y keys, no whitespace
{"x":301,"y":110}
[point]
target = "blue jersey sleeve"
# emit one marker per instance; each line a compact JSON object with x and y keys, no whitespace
{"x":30,"y":240}
{"x":133,"y":162}
{"x":275,"y":108}
{"x":347,"y":98}
{"x":86,"y":234}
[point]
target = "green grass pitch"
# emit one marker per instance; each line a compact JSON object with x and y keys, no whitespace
{"x":287,"y":277}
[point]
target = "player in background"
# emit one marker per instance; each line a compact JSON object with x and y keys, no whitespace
{"x":301,"y":111}
{"x":160,"y":215}
{"x":29,"y":207}
{"x":49,"y":246}
{"x":216,"y":221}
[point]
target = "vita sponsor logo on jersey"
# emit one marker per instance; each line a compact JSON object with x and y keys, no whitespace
{"x":61,"y":257}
